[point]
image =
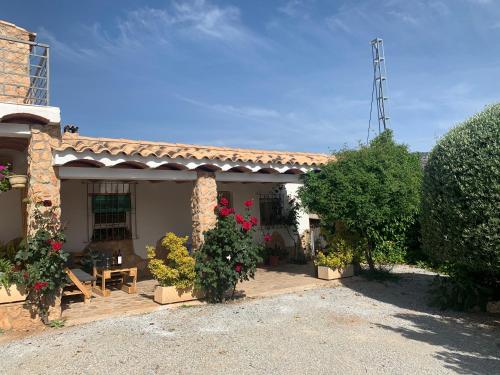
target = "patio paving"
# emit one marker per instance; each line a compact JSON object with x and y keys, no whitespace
{"x":268,"y":281}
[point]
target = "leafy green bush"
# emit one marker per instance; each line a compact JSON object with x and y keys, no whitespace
{"x":339,"y":256}
{"x":5,"y":273}
{"x":461,"y":209}
{"x":178,"y":269}
{"x":229,"y":254}
{"x":374,"y":191}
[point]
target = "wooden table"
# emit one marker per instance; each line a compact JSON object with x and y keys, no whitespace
{"x":105,"y":274}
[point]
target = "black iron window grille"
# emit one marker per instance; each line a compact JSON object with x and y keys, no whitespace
{"x":111,"y":211}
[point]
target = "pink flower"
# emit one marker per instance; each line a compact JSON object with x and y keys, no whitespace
{"x":246,"y":226}
{"x":39,"y":285}
{"x":224,"y":202}
{"x":2,"y":168}
{"x":267,"y":237}
{"x":248,"y":203}
{"x":238,"y":267}
{"x":253,"y":220}
{"x":239,"y":218}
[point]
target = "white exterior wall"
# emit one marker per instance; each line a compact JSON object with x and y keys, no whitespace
{"x":303,"y":218}
{"x":11,"y":217}
{"x":160,"y":207}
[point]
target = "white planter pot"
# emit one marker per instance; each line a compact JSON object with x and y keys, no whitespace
{"x":18,"y":181}
{"x":170,"y":294}
{"x":326,"y":273}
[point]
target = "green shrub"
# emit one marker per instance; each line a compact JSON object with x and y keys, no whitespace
{"x":461,"y":209}
{"x":338,"y":256}
{"x":178,"y":269}
{"x":374,"y":191}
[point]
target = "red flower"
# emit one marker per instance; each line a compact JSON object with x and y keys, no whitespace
{"x":267,"y":237}
{"x":253,"y":220}
{"x":224,"y":211}
{"x":39,"y":285}
{"x":239,"y":219}
{"x":47,"y":203}
{"x":231,"y":210}
{"x":248,"y":203}
{"x":238,"y":267}
{"x":224,"y":202}
{"x":246,"y":225}
{"x":56,"y":245}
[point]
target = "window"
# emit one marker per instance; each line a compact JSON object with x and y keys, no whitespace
{"x":227,"y":195}
{"x":271,"y":209}
{"x":111,"y":212}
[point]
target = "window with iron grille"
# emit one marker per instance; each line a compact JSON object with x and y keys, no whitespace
{"x":111,"y":211}
{"x":271,"y":209}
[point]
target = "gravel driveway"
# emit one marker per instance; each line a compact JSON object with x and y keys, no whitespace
{"x":361,"y":327}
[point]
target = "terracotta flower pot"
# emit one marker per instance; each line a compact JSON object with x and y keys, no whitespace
{"x":18,"y":181}
{"x":274,"y":260}
{"x":326,"y":273}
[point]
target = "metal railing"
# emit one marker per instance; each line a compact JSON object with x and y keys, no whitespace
{"x":24,"y":72}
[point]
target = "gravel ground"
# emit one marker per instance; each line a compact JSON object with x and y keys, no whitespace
{"x":361,"y":327}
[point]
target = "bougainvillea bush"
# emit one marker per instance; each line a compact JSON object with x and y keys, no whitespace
{"x":229,"y":254}
{"x":42,"y":259}
{"x":461,"y":210}
{"x":178,"y":268}
{"x":4,"y":181}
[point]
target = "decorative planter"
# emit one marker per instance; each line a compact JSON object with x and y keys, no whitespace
{"x":170,"y":294}
{"x":326,"y":273}
{"x":13,"y":294}
{"x":18,"y":181}
{"x":274,"y":260}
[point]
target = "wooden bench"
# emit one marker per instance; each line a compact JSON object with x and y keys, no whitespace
{"x":81,"y":283}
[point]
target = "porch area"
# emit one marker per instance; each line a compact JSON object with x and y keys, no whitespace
{"x":285,"y":278}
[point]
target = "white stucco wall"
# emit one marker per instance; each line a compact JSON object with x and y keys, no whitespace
{"x":11,"y":217}
{"x":11,"y":221}
{"x":160,"y":207}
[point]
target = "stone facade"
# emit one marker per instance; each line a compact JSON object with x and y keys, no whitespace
{"x":203,"y":202}
{"x":14,"y":76}
{"x":44,"y":183}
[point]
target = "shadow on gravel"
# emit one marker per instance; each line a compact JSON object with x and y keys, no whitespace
{"x":471,"y":340}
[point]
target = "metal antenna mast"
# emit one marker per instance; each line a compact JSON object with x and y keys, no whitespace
{"x":379,"y":84}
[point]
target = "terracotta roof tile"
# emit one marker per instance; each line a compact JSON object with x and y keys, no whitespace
{"x":177,"y":150}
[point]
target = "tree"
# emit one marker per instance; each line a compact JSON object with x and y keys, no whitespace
{"x":461,"y":210}
{"x":374,"y":191}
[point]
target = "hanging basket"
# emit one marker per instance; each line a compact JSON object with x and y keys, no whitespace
{"x":18,"y":181}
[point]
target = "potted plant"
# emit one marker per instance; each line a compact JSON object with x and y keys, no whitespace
{"x":336,"y":263}
{"x":18,"y":181}
{"x":175,"y":274}
{"x":274,"y":256}
{"x":9,"y":291}
{"x":4,"y":178}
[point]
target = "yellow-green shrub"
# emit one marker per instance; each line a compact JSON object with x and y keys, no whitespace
{"x":340,"y":255}
{"x":178,"y":267}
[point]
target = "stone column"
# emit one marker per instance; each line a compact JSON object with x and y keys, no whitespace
{"x":43,"y":182}
{"x":203,"y":202}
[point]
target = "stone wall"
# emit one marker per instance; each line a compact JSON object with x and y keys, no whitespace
{"x":14,"y":76}
{"x":203,"y":202}
{"x":43,"y":181}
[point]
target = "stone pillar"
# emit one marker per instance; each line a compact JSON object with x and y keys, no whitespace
{"x":43,"y":182}
{"x":203,"y":202}
{"x":304,"y":229}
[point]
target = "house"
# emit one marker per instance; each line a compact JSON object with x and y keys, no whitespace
{"x":125,"y":194}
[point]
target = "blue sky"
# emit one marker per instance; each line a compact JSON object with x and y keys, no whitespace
{"x":290,"y":74}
